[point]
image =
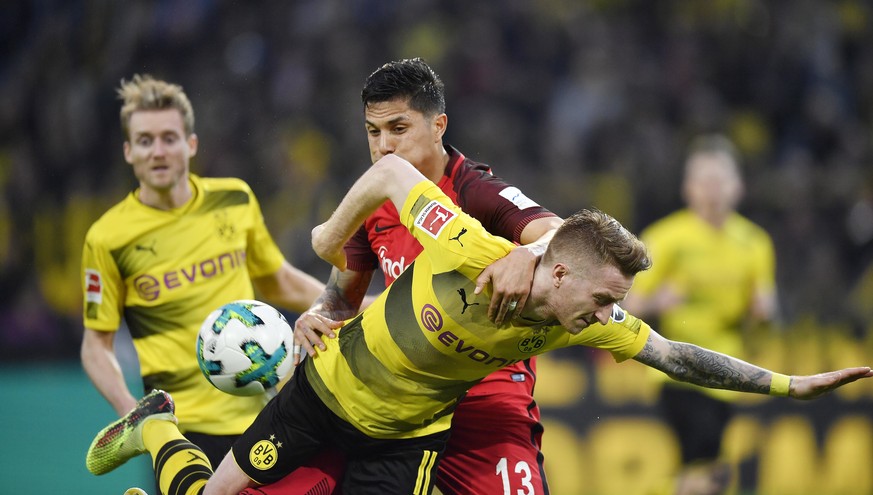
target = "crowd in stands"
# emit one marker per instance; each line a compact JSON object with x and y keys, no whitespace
{"x":584,"y":103}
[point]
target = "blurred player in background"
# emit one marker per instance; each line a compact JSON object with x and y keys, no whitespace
{"x":497,"y":423}
{"x":712,"y":281}
{"x":173,"y":250}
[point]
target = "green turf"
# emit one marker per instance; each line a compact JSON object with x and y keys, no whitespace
{"x":49,"y":415}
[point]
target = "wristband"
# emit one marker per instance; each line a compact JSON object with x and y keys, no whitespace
{"x":780,"y":384}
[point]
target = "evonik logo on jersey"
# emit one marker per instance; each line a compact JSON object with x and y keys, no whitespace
{"x":432,"y":320}
{"x":433,"y":218}
{"x":149,"y":286}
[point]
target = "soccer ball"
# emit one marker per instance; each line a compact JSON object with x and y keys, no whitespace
{"x":245,"y":347}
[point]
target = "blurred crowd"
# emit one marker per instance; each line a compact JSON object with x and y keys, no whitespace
{"x":581,"y":102}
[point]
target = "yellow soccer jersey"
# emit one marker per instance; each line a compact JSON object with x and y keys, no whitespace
{"x":399,"y":369}
{"x":716,"y":271}
{"x":164,"y":271}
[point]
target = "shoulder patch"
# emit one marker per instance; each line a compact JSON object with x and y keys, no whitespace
{"x":93,"y":286}
{"x":433,"y":218}
{"x":516,"y":197}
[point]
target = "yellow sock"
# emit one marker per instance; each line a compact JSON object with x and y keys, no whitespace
{"x":180,"y":466}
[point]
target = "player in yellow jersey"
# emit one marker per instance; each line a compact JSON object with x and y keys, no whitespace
{"x":384,"y":389}
{"x":713,"y":278}
{"x":173,"y":250}
{"x":496,"y":432}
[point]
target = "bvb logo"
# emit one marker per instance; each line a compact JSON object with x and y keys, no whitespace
{"x":225,"y":228}
{"x":531,"y":344}
{"x":431,"y":318}
{"x":263,"y":455}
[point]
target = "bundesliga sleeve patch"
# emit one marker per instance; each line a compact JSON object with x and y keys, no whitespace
{"x":433,"y":218}
{"x":93,"y":286}
{"x":516,"y":197}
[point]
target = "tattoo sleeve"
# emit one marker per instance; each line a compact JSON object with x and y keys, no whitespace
{"x":343,"y":294}
{"x":694,"y":364}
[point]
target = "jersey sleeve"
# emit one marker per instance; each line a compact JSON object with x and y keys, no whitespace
{"x":624,"y":336}
{"x":449,"y":236}
{"x":501,"y":207}
{"x":263,"y":256}
{"x":359,"y":255}
{"x":102,"y":287}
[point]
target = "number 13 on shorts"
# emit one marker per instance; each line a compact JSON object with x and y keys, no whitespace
{"x":519,"y":474}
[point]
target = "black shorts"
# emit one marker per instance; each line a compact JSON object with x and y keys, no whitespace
{"x":295,"y":425}
{"x":214,"y":446}
{"x":698,"y":420}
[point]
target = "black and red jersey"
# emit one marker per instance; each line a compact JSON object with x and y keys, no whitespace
{"x":501,"y":208}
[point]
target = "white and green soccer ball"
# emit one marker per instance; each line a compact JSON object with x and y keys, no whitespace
{"x":245,"y":348}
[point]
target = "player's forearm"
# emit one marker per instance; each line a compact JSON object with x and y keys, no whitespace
{"x":537,"y":234}
{"x":693,"y":364}
{"x":343,"y":294}
{"x":537,"y":248}
{"x":389,"y":178}
{"x":105,"y":373}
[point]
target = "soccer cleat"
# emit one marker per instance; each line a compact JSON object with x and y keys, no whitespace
{"x":135,"y":491}
{"x":122,"y":440}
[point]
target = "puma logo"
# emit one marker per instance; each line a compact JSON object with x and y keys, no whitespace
{"x":458,"y":237}
{"x":151,"y":249}
{"x":195,"y":456}
{"x":463,"y":294}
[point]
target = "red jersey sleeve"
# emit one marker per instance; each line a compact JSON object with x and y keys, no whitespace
{"x":501,"y":207}
{"x":359,"y":254}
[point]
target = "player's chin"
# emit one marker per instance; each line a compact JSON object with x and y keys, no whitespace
{"x":576,"y":330}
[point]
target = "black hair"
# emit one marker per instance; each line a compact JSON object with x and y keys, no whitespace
{"x":409,"y":79}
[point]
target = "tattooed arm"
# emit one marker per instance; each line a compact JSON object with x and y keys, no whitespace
{"x":694,"y":364}
{"x":344,"y":294}
{"x":342,"y":299}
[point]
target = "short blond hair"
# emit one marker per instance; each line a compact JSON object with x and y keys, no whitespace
{"x":593,"y":235}
{"x":144,"y":92}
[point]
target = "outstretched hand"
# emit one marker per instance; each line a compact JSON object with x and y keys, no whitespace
{"x":812,"y":386}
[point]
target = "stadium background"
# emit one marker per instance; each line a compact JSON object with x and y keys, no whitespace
{"x":579,"y":102}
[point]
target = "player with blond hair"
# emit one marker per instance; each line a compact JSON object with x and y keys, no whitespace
{"x":177,"y":247}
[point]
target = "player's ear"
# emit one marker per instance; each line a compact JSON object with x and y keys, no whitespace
{"x":439,"y":126}
{"x":126,"y":150}
{"x":559,"y":271}
{"x":192,"y":144}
